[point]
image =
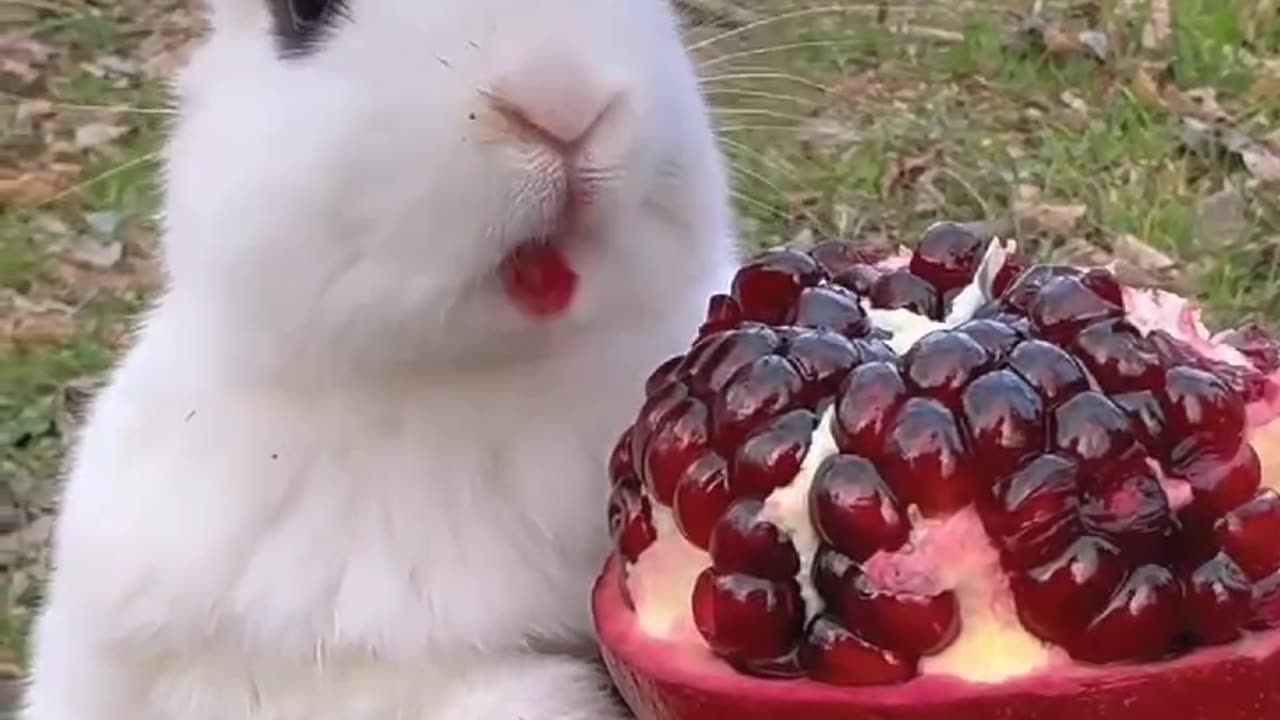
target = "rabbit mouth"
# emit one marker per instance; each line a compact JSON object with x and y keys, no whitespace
{"x":539,"y":278}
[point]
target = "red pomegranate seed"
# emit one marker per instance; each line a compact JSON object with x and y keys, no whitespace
{"x":1250,"y":534}
{"x":723,"y":313}
{"x":620,"y":462}
{"x":1056,"y":600}
{"x":1050,"y":370}
{"x":1203,"y":410}
{"x":1119,"y":357}
{"x":747,"y":619}
{"x":867,"y":405}
{"x":823,"y":358}
{"x":836,"y":256}
{"x":901,"y":289}
{"x":1265,"y":614}
{"x":830,"y":567}
{"x":905,"y":623}
{"x":673,"y":446}
{"x":998,"y":338}
{"x":772,"y":456}
{"x":663,"y":375}
{"x":1220,"y":483}
{"x":1133,"y":511}
{"x":768,"y":286}
{"x":941,"y":363}
{"x":946,"y":256}
{"x":702,"y":495}
{"x":925,"y":459}
{"x":744,"y":542}
{"x":1093,"y":429}
{"x":768,"y":386}
{"x":1140,"y":623}
{"x":858,"y":278}
{"x":1009,"y":272}
{"x":830,"y":307}
{"x":1017,"y":299}
{"x":708,"y":370}
{"x":630,"y":521}
{"x":1034,"y":514}
{"x":836,"y":656}
{"x":1218,"y":600}
{"x":1005,"y":422}
{"x":1065,"y":305}
{"x":1146,"y":417}
{"x":854,"y":510}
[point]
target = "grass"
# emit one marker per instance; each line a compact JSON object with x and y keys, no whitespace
{"x":876,"y":130}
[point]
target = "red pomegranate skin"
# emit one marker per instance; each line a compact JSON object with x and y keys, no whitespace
{"x":662,"y":681}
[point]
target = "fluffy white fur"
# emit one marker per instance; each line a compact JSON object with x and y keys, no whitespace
{"x":339,"y":476}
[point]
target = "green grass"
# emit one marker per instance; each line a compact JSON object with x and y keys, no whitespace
{"x":989,"y":117}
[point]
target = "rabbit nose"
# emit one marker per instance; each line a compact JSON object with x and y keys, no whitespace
{"x":555,"y":95}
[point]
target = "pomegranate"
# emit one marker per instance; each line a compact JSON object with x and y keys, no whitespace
{"x":948,"y":484}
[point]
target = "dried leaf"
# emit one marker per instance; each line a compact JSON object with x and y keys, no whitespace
{"x":29,"y":323}
{"x":1261,"y":162}
{"x":1158,"y":28}
{"x":1145,"y":257}
{"x":95,"y":255}
{"x":1147,"y":88}
{"x":1029,"y":209}
{"x":97,"y":134}
{"x":39,"y":185}
{"x":1222,"y":217}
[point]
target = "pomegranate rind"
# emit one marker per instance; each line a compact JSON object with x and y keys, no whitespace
{"x":678,"y":681}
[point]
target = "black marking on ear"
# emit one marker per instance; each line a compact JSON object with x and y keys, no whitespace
{"x":300,"y":25}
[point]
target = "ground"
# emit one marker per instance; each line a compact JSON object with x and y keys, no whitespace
{"x":1140,"y":132}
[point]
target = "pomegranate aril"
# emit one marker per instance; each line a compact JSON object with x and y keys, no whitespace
{"x":723,"y":313}
{"x":701,"y":496}
{"x":674,"y":444}
{"x":1064,"y":305}
{"x":663,"y":375}
{"x":941,"y":363}
{"x":1050,"y":370}
{"x":768,"y":386}
{"x":869,"y":399}
{"x":837,"y":656}
{"x":1133,"y":511}
{"x":861,"y":279}
{"x":830,"y":567}
{"x":823,"y":358}
{"x":620,"y":460}
{"x":1056,"y":600}
{"x":768,"y":286}
{"x":1004,"y":418}
{"x":854,"y":510}
{"x":1250,"y":534}
{"x":772,"y":456}
{"x":1093,"y":429}
{"x":946,"y":255}
{"x":1219,"y":483}
{"x":1265,"y":613}
{"x":906,"y":623}
{"x":1119,"y":357}
{"x":901,"y":289}
{"x":830,"y":307}
{"x":1020,"y":294}
{"x":1034,"y":514}
{"x":1146,"y":417}
{"x":925,"y":459}
{"x":1140,"y":623}
{"x":717,"y":358}
{"x":1009,"y":272}
{"x":1201,"y":408}
{"x":744,"y":542}
{"x":836,"y":256}
{"x":630,"y":521}
{"x":747,"y":619}
{"x":1218,"y":600}
{"x":998,"y":338}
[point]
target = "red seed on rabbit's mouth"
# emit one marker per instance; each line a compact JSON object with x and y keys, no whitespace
{"x":539,"y":278}
{"x":1066,"y":484}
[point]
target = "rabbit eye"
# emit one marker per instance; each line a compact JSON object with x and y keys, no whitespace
{"x":300,"y":24}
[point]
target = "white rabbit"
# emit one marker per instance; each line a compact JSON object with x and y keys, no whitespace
{"x":353,"y":467}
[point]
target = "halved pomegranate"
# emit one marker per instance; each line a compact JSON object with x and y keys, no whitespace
{"x":937,"y":485}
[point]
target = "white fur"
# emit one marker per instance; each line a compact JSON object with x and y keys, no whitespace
{"x":339,"y":476}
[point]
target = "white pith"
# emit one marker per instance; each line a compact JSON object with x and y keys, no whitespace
{"x":956,"y":553}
